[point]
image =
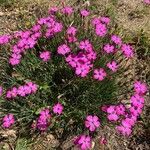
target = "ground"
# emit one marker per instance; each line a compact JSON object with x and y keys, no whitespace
{"x":131,"y":15}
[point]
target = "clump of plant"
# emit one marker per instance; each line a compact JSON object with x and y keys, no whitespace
{"x":63,"y":72}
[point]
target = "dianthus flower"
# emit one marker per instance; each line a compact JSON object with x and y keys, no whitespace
{"x":85,"y":45}
{"x":116,"y":39}
{"x":8,"y":120}
{"x":108,"y":48}
{"x":140,"y":88}
{"x":137,"y":100}
{"x":147,"y":1}
{"x":112,"y":114}
{"x":45,"y":56}
{"x":67,"y":10}
{"x":92,"y":122}
{"x":127,"y":50}
{"x":120,"y":109}
{"x":95,"y":21}
{"x":82,"y":70}
{"x":72,"y":30}
{"x":53,"y":10}
{"x":99,"y":74}
{"x":84,"y":13}
{"x":43,"y":120}
{"x":83,"y":142}
{"x":126,"y":131}
{"x":58,"y":108}
{"x":105,"y":20}
{"x":135,"y":111}
{"x":4,"y":39}
{"x":112,"y":66}
{"x":63,"y":49}
{"x":101,"y":29}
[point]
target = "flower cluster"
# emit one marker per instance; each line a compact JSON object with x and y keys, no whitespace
{"x":24,"y":90}
{"x":45,"y":27}
{"x":147,"y":1}
{"x":82,"y":62}
{"x":127,"y":116}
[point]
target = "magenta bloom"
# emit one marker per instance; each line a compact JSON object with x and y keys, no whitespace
{"x":84,"y":13}
{"x":147,"y":1}
{"x":8,"y":120}
{"x":84,"y":142}
{"x":112,"y":114}
{"x":137,"y":101}
{"x":58,"y":108}
{"x":135,"y":111}
{"x":63,"y":49}
{"x":109,"y":48}
{"x":120,"y":109}
{"x":140,"y":88}
{"x":101,"y":29}
{"x":112,"y":66}
{"x":116,"y":39}
{"x":124,"y":130}
{"x":67,"y":10}
{"x":45,"y":56}
{"x":92,"y":122}
{"x":72,"y":30}
{"x":82,"y":70}
{"x":95,"y":21}
{"x":43,"y":120}
{"x":99,"y":74}
{"x":105,"y":20}
{"x":53,"y":10}
{"x":127,"y":50}
{"x":1,"y":90}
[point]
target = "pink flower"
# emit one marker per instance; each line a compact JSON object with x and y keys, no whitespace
{"x":127,"y":50}
{"x":82,"y":70}
{"x":120,"y":109}
{"x":99,"y":74}
{"x":67,"y":10}
{"x":84,"y":142}
{"x":33,"y":86}
{"x":116,"y":39}
{"x":45,"y":56}
{"x":135,"y":111}
{"x":112,"y":66}
{"x":58,"y":108}
{"x":53,"y":10}
{"x":147,"y":1}
{"x":140,"y":88}
{"x":63,"y":49}
{"x":1,"y":90}
{"x":95,"y":21}
{"x":85,"y":45}
{"x":92,"y":122}
{"x":72,"y":30}
{"x":109,"y":48}
{"x":112,"y":117}
{"x":14,"y":61}
{"x":137,"y":101}
{"x":105,"y":20}
{"x":101,"y":29}
{"x":8,"y":120}
{"x":43,"y":120}
{"x":84,"y":13}
{"x":21,"y":91}
{"x":123,"y":130}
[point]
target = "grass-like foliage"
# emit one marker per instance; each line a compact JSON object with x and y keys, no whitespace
{"x":61,"y":72}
